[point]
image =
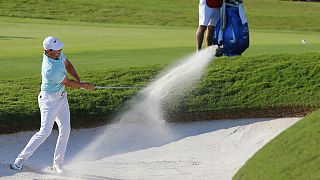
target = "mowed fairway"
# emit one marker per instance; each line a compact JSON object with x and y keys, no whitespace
{"x":90,"y":46}
{"x":93,"y":46}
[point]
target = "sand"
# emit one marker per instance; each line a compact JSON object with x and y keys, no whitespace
{"x":199,"y":150}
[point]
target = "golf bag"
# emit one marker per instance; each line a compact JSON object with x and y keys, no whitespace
{"x":232,"y":31}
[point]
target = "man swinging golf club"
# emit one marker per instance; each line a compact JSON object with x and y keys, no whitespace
{"x":53,"y":103}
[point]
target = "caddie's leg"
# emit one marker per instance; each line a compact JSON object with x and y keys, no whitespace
{"x":204,"y":18}
{"x":63,"y":121}
{"x":199,"y":36}
{"x":210,"y":35}
{"x":48,"y":114}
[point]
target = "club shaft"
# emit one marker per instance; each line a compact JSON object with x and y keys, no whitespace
{"x":114,"y":87}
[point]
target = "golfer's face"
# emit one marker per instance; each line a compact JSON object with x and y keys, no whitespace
{"x":54,"y":53}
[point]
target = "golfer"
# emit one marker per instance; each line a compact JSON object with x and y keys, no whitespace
{"x":53,"y":103}
{"x":209,"y":14}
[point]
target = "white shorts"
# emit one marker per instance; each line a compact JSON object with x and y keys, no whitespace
{"x":208,"y":16}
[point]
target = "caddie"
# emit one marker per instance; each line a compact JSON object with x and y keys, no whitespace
{"x":53,"y":103}
{"x":209,"y":14}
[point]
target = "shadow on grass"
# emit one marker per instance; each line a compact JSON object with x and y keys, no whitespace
{"x":14,"y":37}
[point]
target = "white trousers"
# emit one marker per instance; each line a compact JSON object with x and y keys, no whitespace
{"x":208,"y":16}
{"x":54,"y":107}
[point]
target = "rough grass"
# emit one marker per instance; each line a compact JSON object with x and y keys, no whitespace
{"x":259,"y":86}
{"x":259,"y":82}
{"x":262,"y":14}
{"x":144,"y":12}
{"x":19,"y":109}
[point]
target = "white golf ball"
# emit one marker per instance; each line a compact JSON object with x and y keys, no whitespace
{"x":304,"y":41}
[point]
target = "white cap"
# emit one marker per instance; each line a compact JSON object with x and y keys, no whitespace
{"x":52,"y":43}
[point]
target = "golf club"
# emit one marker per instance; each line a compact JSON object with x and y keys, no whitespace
{"x":115,"y":87}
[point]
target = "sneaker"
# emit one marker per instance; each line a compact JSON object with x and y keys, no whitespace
{"x":15,"y":167}
{"x":58,"y":169}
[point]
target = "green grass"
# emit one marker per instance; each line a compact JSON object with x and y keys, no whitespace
{"x":294,"y":154}
{"x":262,"y":14}
{"x":19,"y":108}
{"x":268,"y":81}
{"x":92,"y":46}
{"x":229,"y":84}
{"x":145,"y":12}
{"x":280,"y":15}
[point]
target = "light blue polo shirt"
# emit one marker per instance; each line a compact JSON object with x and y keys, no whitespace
{"x":53,"y":72}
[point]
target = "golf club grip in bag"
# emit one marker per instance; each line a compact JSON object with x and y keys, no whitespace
{"x":232,"y":30}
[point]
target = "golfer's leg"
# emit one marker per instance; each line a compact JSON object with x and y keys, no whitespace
{"x":47,"y":121}
{"x":63,"y":121}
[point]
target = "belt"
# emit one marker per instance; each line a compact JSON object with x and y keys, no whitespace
{"x":54,"y":94}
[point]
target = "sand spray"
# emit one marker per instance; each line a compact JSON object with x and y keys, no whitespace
{"x":143,"y":125}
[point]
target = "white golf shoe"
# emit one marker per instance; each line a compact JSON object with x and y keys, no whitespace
{"x":15,"y":167}
{"x":58,"y":169}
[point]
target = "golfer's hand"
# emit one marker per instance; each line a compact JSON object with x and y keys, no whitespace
{"x":87,"y":86}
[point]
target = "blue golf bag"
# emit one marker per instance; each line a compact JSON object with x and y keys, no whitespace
{"x":232,"y":31}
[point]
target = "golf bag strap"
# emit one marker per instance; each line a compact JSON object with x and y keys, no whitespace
{"x":222,"y":22}
{"x":242,"y":14}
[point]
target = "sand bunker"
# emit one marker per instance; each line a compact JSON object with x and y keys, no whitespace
{"x":199,"y":150}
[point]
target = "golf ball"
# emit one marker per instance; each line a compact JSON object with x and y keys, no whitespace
{"x":304,"y":41}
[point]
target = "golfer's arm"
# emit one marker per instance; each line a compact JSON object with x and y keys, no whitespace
{"x":76,"y":84}
{"x":71,"y":70}
{"x":72,"y":83}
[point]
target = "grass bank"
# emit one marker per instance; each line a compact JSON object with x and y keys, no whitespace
{"x":19,"y":109}
{"x":230,"y":85}
{"x":261,"y":86}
